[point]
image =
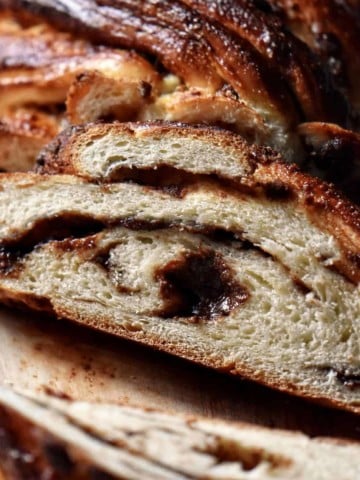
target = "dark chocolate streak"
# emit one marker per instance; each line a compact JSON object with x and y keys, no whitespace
{"x":348,"y":378}
{"x":96,"y":474}
{"x":171,"y":180}
{"x":278,"y":191}
{"x":176,"y":182}
{"x":44,"y":230}
{"x":76,"y":232}
{"x":19,"y":457}
{"x":199,"y":285}
{"x":27,"y":453}
{"x":59,"y":458}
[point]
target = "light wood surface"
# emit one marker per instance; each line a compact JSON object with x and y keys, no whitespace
{"x":46,"y":354}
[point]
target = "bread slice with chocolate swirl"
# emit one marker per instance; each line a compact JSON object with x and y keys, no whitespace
{"x":189,"y":240}
{"x":76,"y":440}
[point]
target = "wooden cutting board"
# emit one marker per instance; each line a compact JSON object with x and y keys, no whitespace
{"x":41,"y":353}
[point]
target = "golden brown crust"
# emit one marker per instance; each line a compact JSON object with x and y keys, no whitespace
{"x":201,"y":55}
{"x":8,"y":23}
{"x":294,"y":61}
{"x":262,"y":79}
{"x":32,"y":122}
{"x":326,"y":208}
{"x":38,"y":65}
{"x":256,"y":60}
{"x":95,"y":96}
{"x":195,"y":106}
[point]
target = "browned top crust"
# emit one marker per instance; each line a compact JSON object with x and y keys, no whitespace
{"x":35,"y":49}
{"x":296,"y":63}
{"x":38,"y":64}
{"x":192,"y":43}
{"x":30,"y":122}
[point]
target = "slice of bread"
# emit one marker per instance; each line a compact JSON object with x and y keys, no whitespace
{"x":224,"y":255}
{"x":76,"y":440}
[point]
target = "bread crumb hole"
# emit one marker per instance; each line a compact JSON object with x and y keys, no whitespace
{"x":116,"y":158}
{"x":146,"y":240}
{"x":346,"y":334}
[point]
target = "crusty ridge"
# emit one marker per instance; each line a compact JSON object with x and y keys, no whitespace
{"x":301,"y":69}
{"x":63,"y":155}
{"x":22,"y":135}
{"x":76,"y":440}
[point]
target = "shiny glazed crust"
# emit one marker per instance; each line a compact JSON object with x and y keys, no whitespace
{"x":202,"y":57}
